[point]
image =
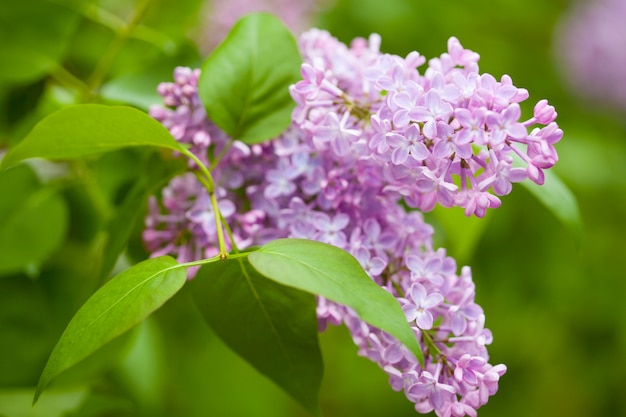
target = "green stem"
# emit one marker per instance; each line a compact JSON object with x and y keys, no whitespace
{"x":211,"y":260}
{"x":219,"y":228}
{"x":80,"y":170}
{"x":114,"y":23}
{"x":430,"y":343}
{"x":115,"y":47}
{"x":223,"y":152}
{"x":67,"y":79}
{"x":230,"y":236}
{"x":209,"y":184}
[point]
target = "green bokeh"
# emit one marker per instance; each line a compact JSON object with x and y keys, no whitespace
{"x":553,"y":304}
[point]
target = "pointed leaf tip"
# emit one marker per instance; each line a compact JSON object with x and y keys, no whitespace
{"x":116,"y":307}
{"x":88,"y":129}
{"x":333,"y":273}
{"x":259,"y":59}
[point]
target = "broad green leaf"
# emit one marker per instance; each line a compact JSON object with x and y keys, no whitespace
{"x":558,"y":198}
{"x":33,"y":221}
{"x":245,"y":82}
{"x":120,"y":304}
{"x":326,"y":270}
{"x":89,"y":129}
{"x":272,"y":326}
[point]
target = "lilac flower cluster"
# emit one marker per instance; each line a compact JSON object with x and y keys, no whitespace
{"x":368,"y":133}
{"x":589,"y":42}
{"x":447,"y":136}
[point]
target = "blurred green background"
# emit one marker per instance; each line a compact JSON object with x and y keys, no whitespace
{"x":553,"y":300}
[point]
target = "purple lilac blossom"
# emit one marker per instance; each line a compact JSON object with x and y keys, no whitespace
{"x":590,"y":44}
{"x":368,"y":132}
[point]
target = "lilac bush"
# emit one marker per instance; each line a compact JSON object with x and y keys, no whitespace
{"x":373,"y":143}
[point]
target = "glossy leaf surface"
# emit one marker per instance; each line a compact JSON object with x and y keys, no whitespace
{"x":331,"y":272}
{"x":89,"y":129}
{"x":244,"y":84}
{"x":120,"y":304}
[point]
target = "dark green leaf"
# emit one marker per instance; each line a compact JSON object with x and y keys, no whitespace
{"x":120,"y":304}
{"x":326,"y":270}
{"x":153,"y":171}
{"x":33,"y":221}
{"x":88,"y":129}
{"x":272,"y":326}
{"x":244,"y":84}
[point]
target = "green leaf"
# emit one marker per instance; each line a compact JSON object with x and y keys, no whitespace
{"x":142,"y":370}
{"x":559,"y":199}
{"x":326,"y":270}
{"x":153,"y":172}
{"x":245,"y":82}
{"x":461,"y":233}
{"x":33,"y":221}
{"x":272,"y":326}
{"x":16,"y":402}
{"x":89,"y":129}
{"x":120,"y":304}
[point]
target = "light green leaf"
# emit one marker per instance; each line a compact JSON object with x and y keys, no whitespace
{"x":120,"y":304}
{"x":272,"y":326}
{"x":559,"y":199}
{"x":245,"y":82}
{"x":89,"y":129}
{"x":16,"y":402}
{"x":33,"y":221}
{"x":326,"y":270}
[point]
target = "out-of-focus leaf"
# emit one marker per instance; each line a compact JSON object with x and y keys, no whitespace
{"x":271,"y":326}
{"x":33,"y":221}
{"x":462,"y":233}
{"x":34,"y":36}
{"x":153,"y":172}
{"x":245,"y":82}
{"x":140,"y":88}
{"x":174,"y":18}
{"x":120,"y":304}
{"x":142,"y":370}
{"x":560,"y":200}
{"x":333,"y":273}
{"x":88,"y":129}
{"x":17,"y":402}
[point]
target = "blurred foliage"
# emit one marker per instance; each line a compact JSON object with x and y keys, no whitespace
{"x":553,"y":304}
